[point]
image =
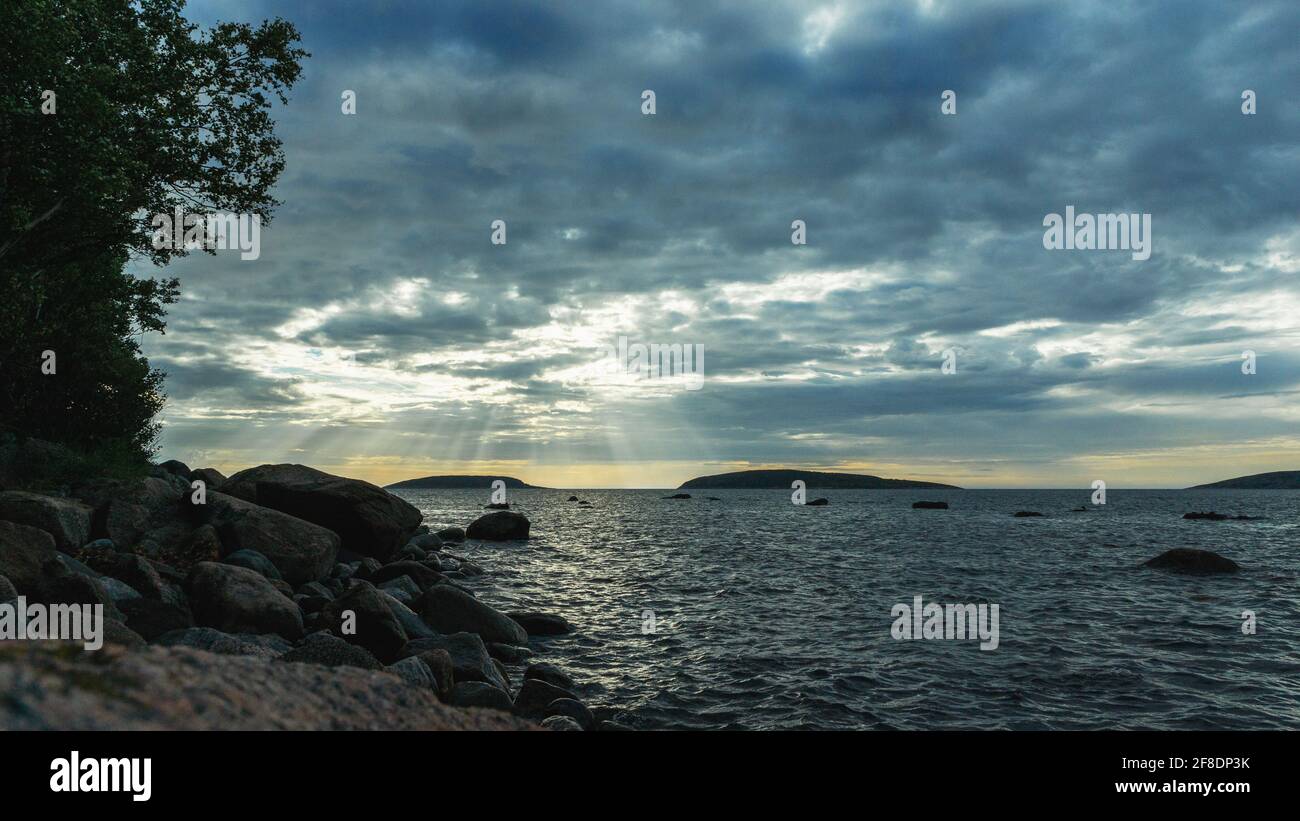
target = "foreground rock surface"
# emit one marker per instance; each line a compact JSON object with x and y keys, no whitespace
{"x":52,"y":686}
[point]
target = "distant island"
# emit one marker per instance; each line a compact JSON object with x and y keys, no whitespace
{"x":457,"y":482}
{"x":754,"y":479}
{"x":1277,"y":480}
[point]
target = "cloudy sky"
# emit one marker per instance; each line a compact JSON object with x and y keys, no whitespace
{"x":382,"y":335}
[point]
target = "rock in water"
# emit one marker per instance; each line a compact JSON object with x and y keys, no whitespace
{"x":254,"y":561}
{"x":238,"y":600}
{"x":67,"y":520}
{"x":370,"y":520}
{"x":561,"y":723}
{"x":478,"y":694}
{"x":541,"y":624}
{"x":449,"y":610}
{"x":818,"y":503}
{"x":302,"y":552}
{"x":535,"y":696}
{"x":1024,"y":514}
{"x":451,"y":534}
{"x":1211,"y":516}
{"x":574,"y":709}
{"x":499,"y":526}
{"x":679,"y":496}
{"x":929,"y":505}
{"x":1197,"y":562}
{"x":177,"y":688}
{"x":550,"y":674}
{"x":469,"y":657}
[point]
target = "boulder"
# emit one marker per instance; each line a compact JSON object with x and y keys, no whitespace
{"x":550,"y":674}
{"x":301,"y":551}
{"x":375,"y":626}
{"x":1196,"y":562}
{"x":238,"y":600}
{"x":331,"y":651}
{"x":820,"y":502}
{"x":67,"y":520}
{"x":1211,"y":516}
{"x":574,"y":709}
{"x":450,"y":610}
{"x":154,"y":618}
{"x":929,"y":505}
{"x":541,"y":624}
{"x":253,"y":561}
{"x":535,"y":696}
{"x":469,"y":657}
{"x":24,"y":550}
{"x":499,"y":526}
{"x":561,"y":723}
{"x":414,"y":672}
{"x":418,"y":573}
{"x":508,"y":653}
{"x":369,"y":520}
{"x":214,"y":641}
{"x":176,"y":467}
{"x":451,"y":534}
{"x":412,"y":624}
{"x":8,"y":592}
{"x":427,"y":541}
{"x":478,"y":694}
{"x":212,"y":478}
{"x":1025,"y":514}
{"x":444,"y":672}
{"x":202,"y":544}
{"x":61,"y":585}
{"x":679,"y":496}
{"x":136,"y":571}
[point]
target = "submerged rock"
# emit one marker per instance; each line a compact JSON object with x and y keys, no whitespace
{"x":929,"y":505}
{"x":1189,"y":560}
{"x":820,"y":502}
{"x":1024,"y":514}
{"x":541,"y":624}
{"x":1211,"y":516}
{"x":679,"y":496}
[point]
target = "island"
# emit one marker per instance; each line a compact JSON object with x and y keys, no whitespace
{"x":763,"y":479}
{"x":458,"y":482}
{"x":1277,"y":480}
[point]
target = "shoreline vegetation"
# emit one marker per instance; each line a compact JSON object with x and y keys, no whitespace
{"x":280,"y":597}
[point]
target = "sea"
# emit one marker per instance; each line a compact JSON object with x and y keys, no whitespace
{"x":746,"y":611}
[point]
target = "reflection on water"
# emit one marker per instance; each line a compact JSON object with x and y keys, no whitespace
{"x":769,"y":615}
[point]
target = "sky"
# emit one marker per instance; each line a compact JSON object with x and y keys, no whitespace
{"x":381,"y":334}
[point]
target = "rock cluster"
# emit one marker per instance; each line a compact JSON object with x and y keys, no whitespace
{"x":279,"y":597}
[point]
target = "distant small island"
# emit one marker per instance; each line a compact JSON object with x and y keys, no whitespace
{"x":754,"y":479}
{"x":1277,"y":480}
{"x":458,"y":482}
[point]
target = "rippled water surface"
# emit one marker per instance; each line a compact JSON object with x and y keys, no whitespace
{"x":769,"y":615}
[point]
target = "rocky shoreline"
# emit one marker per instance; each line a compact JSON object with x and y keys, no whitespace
{"x":280,"y":597}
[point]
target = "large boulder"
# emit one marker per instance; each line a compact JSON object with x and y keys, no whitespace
{"x":1195,"y":562}
{"x":450,"y":610}
{"x":226,"y":644}
{"x":541,"y":624}
{"x":535,"y":696}
{"x":499,"y":526}
{"x":332,"y":651}
{"x":24,"y":551}
{"x":362,"y":616}
{"x":238,"y":600}
{"x":302,"y":552}
{"x":478,"y":694}
{"x":469,"y":657}
{"x":370,"y":520}
{"x":67,"y":520}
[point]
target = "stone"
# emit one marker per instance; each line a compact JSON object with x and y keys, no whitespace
{"x":573,"y":709}
{"x":24,"y":550}
{"x":176,"y":467}
{"x":376,"y":628}
{"x":469,"y":657}
{"x":444,"y":672}
{"x":412,"y":624}
{"x":508,"y":653}
{"x":369,"y":520}
{"x":819,"y":502}
{"x":541,"y":624}
{"x":499,"y":526}
{"x":211,"y":478}
{"x":929,"y":505}
{"x":238,"y":600}
{"x":1195,"y":562}
{"x":253,"y":561}
{"x":478,"y":694}
{"x":561,"y":723}
{"x":301,"y":551}
{"x":414,"y":672}
{"x":239,"y":644}
{"x":450,"y":610}
{"x":67,"y":520}
{"x":418,"y":573}
{"x":451,"y":534}
{"x":550,"y":674}
{"x":1025,"y":514}
{"x":153,"y":618}
{"x":331,"y":651}
{"x":535,"y":695}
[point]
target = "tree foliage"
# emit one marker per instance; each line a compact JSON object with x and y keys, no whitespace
{"x":150,"y":112}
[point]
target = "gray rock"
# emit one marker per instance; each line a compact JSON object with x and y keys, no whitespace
{"x":573,"y":709}
{"x":415,"y":672}
{"x":450,"y":610}
{"x":509,"y":653}
{"x":412,"y":624}
{"x":153,"y":618}
{"x":316,"y":589}
{"x":8,"y":592}
{"x":444,"y":672}
{"x":254,"y":561}
{"x":535,"y":696}
{"x":369,"y":520}
{"x":499,"y":526}
{"x":301,"y":551}
{"x":211,"y":477}
{"x":238,"y":600}
{"x":118,"y":590}
{"x":469,"y":657}
{"x":561,"y":723}
{"x":1194,"y":562}
{"x":67,"y":520}
{"x":550,"y":674}
{"x":541,"y":624}
{"x":226,"y":644}
{"x":478,"y":694}
{"x":418,"y":573}
{"x":331,"y":651}
{"x":427,"y":541}
{"x":176,"y":467}
{"x":451,"y":534}
{"x":377,"y":629}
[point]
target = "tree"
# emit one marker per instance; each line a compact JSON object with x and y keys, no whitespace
{"x":148,"y":112}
